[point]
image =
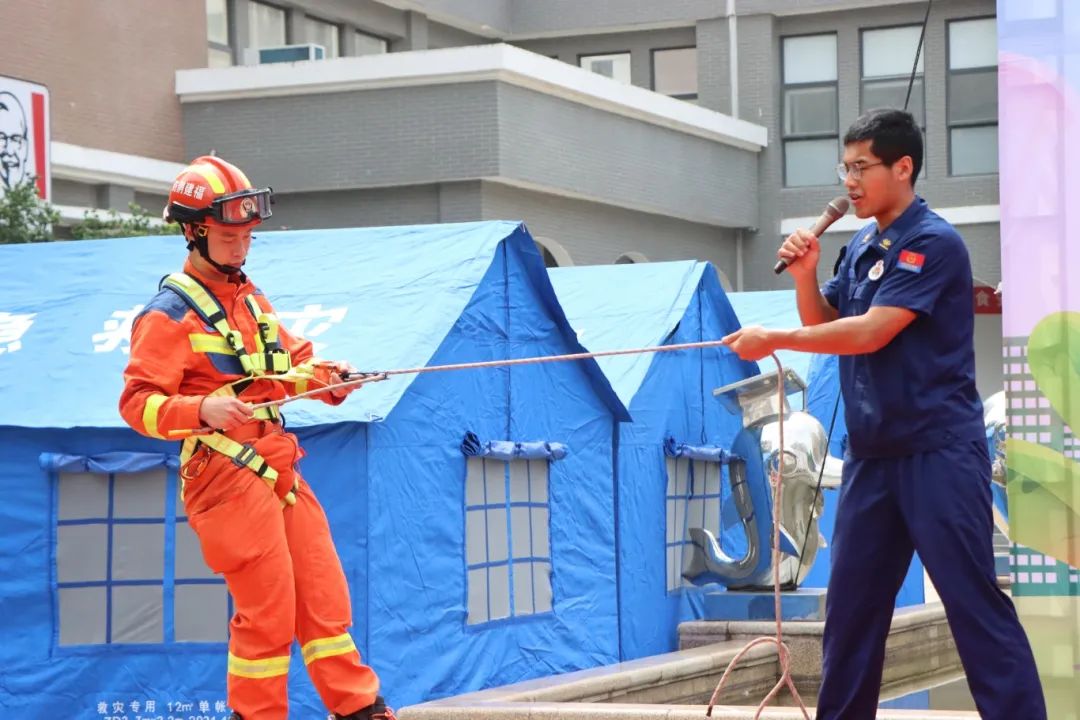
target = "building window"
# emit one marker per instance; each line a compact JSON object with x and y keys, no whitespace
{"x":693,"y":500}
{"x":218,"y":51}
{"x":811,"y":116}
{"x":128,"y":570}
{"x":972,"y":97}
{"x":370,"y":44}
{"x":615,"y":65}
{"x":888,"y":55}
{"x":507,"y":546}
{"x":266,"y":25}
{"x":324,"y":33}
{"x":675,"y":72}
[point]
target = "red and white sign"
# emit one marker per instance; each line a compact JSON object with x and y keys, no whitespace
{"x":987,"y":301}
{"x":24,"y":135}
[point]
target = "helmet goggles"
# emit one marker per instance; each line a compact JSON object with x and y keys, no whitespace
{"x":239,"y":208}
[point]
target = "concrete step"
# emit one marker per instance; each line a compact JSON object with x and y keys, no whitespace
{"x":676,"y":686}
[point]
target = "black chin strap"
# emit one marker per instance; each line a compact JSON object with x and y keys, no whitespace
{"x":198,"y":239}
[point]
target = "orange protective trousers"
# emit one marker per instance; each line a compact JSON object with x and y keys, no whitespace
{"x":285,"y":578}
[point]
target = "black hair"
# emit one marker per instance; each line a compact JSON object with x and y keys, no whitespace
{"x":892,"y":135}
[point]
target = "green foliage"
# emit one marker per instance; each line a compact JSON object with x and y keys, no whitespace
{"x":109,"y":224}
{"x":24,"y":217}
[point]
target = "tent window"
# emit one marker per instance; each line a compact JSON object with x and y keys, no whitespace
{"x":128,"y":570}
{"x":693,"y":500}
{"x":507,"y":545}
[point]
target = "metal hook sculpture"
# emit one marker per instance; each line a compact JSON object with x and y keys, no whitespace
{"x":757,"y":449}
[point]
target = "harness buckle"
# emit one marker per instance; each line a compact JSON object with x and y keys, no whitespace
{"x":245,"y":456}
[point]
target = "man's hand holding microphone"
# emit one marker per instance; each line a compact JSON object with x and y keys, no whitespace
{"x":800,"y":252}
{"x":799,"y":255}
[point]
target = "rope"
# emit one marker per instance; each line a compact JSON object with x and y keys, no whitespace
{"x":776,"y":478}
{"x":367,"y":377}
{"x":782,"y":652}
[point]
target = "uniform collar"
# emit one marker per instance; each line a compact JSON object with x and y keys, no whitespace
{"x":902,"y":224}
{"x":883,"y":240}
{"x":221,"y":288}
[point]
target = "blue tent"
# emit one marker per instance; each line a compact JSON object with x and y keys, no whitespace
{"x":471,"y":563}
{"x":777,"y":309}
{"x":670,"y":399}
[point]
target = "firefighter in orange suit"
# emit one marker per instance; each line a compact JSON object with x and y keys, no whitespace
{"x":203,"y":351}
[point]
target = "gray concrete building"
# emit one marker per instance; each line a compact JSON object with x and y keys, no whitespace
{"x":604,"y":169}
{"x":618,"y":130}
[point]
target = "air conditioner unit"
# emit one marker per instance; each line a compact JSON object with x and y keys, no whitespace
{"x":291,"y":53}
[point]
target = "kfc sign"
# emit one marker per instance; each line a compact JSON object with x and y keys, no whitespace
{"x":24,"y":135}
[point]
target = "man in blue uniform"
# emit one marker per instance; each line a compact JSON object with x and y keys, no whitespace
{"x":917,"y":475}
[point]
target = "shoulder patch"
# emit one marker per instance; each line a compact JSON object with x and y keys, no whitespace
{"x":167,"y":302}
{"x":910,"y":261}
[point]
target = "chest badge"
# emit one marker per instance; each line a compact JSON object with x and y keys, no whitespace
{"x":877,"y":271}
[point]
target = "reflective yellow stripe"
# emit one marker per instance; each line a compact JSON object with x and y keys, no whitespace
{"x":201,"y":343}
{"x":328,"y":647}
{"x":209,"y":306}
{"x":305,"y":371}
{"x":211,"y":174}
{"x":150,"y":414}
{"x":270,"y":413}
{"x":230,"y":448}
{"x":255,"y":310}
{"x":270,"y":667}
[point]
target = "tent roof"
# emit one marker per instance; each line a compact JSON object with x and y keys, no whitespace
{"x":380,"y":298}
{"x":773,"y":309}
{"x":614,"y":307}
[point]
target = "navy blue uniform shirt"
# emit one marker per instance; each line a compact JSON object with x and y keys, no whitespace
{"x":918,"y":392}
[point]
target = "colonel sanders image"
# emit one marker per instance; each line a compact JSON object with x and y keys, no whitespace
{"x":14,"y":145}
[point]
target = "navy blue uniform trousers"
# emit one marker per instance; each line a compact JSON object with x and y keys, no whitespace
{"x":936,"y":503}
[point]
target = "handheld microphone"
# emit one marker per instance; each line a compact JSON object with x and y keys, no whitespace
{"x":835,"y":210}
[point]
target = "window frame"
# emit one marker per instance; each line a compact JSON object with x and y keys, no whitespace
{"x":923,"y":171}
{"x":672,"y":503}
{"x":652,"y":72}
{"x":516,"y":610}
{"x":338,"y":30}
{"x":785,"y":86}
{"x":949,"y":74}
{"x":863,"y":80}
{"x":169,"y":521}
{"x":385,"y":41}
{"x":285,"y":15}
{"x":630,"y":61}
{"x":214,"y":45}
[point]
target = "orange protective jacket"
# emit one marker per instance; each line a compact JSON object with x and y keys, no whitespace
{"x":177,"y":359}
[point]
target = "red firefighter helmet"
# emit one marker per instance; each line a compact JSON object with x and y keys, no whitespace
{"x":211,"y":191}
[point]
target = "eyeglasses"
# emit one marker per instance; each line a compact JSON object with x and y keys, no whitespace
{"x":15,"y":142}
{"x":854,"y":171}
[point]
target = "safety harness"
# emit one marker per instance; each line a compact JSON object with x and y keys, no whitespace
{"x":270,"y":359}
